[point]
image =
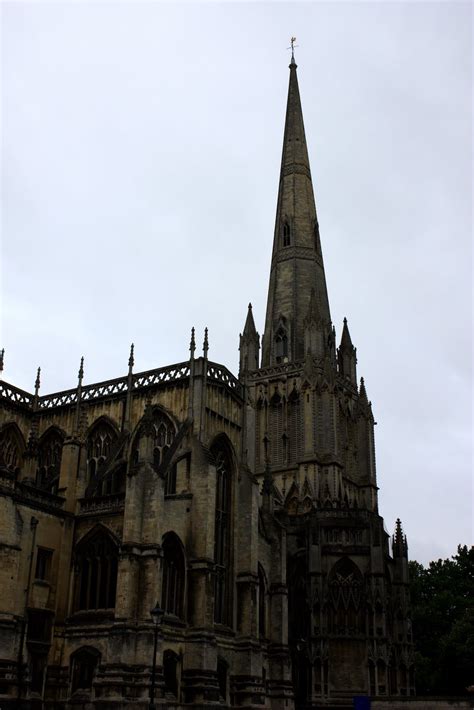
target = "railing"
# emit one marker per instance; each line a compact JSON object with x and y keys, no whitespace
{"x":36,"y":495}
{"x":171,"y":373}
{"x":219,"y":373}
{"x":282,"y":369}
{"x":14,"y":394}
{"x":102,"y":504}
{"x":118,"y":386}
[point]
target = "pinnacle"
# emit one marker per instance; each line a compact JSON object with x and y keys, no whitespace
{"x":346,"y":340}
{"x":249,"y":327}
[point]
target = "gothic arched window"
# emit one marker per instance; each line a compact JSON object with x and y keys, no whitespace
{"x":163,"y":438}
{"x":96,"y":568}
{"x":262,"y":607}
{"x":11,"y":449}
{"x":99,"y":445}
{"x":281,"y":345}
{"x":222,"y":537}
{"x":50,"y":451}
{"x":345,"y":599}
{"x":173,"y":575}
{"x":84,"y":663}
{"x":286,"y":234}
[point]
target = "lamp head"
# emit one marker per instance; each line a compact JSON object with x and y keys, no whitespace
{"x":157,"y":614}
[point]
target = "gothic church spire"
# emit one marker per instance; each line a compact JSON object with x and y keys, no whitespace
{"x":297,"y":265}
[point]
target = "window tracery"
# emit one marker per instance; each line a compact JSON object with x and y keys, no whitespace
{"x":100,"y":444}
{"x":49,"y":461}
{"x":96,"y":567}
{"x":10,"y":450}
{"x":281,"y":345}
{"x":345,"y":602}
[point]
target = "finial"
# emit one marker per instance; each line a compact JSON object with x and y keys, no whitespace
{"x":250,"y":306}
{"x":345,"y":320}
{"x":2,"y":358}
{"x":192,"y":344}
{"x":205,"y":345}
{"x":131,"y":359}
{"x":37,"y":381}
{"x":81,"y":370}
{"x":293,"y":45}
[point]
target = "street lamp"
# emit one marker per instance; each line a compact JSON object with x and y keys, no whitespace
{"x":157,"y":615}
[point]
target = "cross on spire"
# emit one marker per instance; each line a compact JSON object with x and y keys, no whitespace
{"x":292,"y":47}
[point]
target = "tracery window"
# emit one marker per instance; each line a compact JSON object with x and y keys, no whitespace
{"x":222,"y":537}
{"x":49,"y":461}
{"x":96,"y":567}
{"x":173,"y":575}
{"x":281,"y":345}
{"x":286,"y":234}
{"x":10,"y":449}
{"x":345,"y":599}
{"x":164,"y":435}
{"x":100,"y":443}
{"x":84,"y":663}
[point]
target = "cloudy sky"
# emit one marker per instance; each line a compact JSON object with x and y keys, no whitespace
{"x":140,"y":157}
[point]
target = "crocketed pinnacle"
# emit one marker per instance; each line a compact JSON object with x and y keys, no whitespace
{"x":249,"y":327}
{"x":346,"y":340}
{"x":297,"y":264}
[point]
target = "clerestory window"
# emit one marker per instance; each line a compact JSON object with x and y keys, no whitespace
{"x":281,"y":345}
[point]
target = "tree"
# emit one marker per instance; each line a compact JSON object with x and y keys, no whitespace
{"x":443,"y":623}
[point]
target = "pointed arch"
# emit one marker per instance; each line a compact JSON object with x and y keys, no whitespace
{"x":163,"y":428}
{"x":96,"y":566}
{"x":12,"y":447}
{"x":174,"y":575}
{"x":50,"y":449}
{"x":286,"y":232}
{"x":346,"y":607}
{"x":83,"y":663}
{"x":224,"y":460}
{"x":99,"y":442}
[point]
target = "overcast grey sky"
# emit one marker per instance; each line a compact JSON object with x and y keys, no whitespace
{"x":140,"y":158}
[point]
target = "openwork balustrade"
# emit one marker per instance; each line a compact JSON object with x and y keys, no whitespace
{"x":118,"y":386}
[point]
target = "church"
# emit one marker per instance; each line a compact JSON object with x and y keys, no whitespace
{"x":186,"y":536}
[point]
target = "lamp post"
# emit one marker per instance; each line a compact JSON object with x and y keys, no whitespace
{"x":157,"y":615}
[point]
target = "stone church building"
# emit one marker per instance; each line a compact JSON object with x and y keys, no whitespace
{"x":245,"y":507}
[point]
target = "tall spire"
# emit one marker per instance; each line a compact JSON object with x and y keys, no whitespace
{"x":297,"y":264}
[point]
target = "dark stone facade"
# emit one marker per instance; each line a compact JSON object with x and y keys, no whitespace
{"x":245,"y":507}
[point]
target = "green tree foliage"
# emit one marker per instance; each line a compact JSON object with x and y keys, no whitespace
{"x":442,"y":598}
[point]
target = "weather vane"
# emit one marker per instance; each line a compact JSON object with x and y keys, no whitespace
{"x":293,"y":45}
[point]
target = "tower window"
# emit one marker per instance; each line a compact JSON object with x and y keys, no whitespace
{"x":286,"y":234}
{"x":281,"y":345}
